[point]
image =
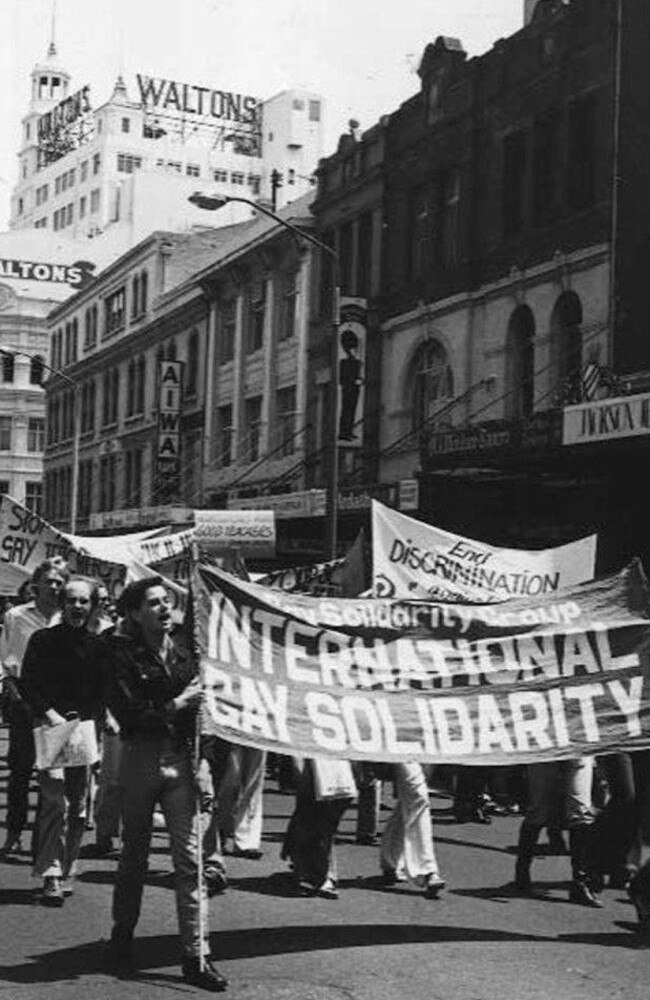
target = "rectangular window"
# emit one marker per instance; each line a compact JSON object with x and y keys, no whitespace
{"x":225,"y":435}
{"x":514,"y":182}
{"x":35,"y":434}
{"x":83,"y":171}
{"x":253,"y":428}
{"x":228,"y":330}
{"x":421,"y":229}
{"x":97,"y":161}
{"x":82,"y":207}
{"x":34,"y":496}
{"x":5,"y":486}
{"x":254,"y":183}
{"x":69,"y":214}
{"x":128,"y":164}
{"x":71,"y":177}
{"x":288,"y":307}
{"x":220,"y":175}
{"x":545,"y":159}
{"x":94,"y":200}
{"x":126,"y":124}
{"x":114,"y":312}
{"x":314,"y":111}
{"x":450,"y":222}
{"x":5,"y":433}
{"x":256,"y":314}
{"x":582,"y":154}
{"x":286,"y":420}
{"x":193,"y":170}
{"x":237,"y":178}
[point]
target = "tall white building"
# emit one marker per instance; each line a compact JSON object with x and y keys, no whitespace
{"x":127,"y":167}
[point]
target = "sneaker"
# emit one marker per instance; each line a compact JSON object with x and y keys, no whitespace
{"x":391,"y":876}
{"x":328,"y":889}
{"x":215,"y":880}
{"x":68,"y":885}
{"x":433,"y":886}
{"x":206,"y":978}
{"x":52,"y":894}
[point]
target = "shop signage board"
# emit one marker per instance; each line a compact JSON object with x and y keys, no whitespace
{"x":414,"y":559}
{"x":607,"y":420}
{"x":66,"y":127}
{"x":306,"y":503}
{"x":496,"y":438}
{"x":250,"y":532}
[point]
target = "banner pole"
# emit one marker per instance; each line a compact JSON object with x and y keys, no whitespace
{"x":194,"y":557}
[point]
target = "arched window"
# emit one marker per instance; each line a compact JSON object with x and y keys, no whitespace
{"x":432,"y":385}
{"x":36,"y":368}
{"x":566,"y":347}
{"x":192,"y":377}
{"x":520,"y":364}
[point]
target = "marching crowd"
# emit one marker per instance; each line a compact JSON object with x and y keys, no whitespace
{"x":68,"y":655}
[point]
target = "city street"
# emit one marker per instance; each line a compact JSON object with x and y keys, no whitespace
{"x":374,"y":943}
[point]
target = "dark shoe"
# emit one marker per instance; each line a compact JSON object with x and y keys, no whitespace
{"x":434,"y":886}
{"x":12,"y":844}
{"x":52,"y":894}
{"x":215,"y":880}
{"x":250,"y":853}
{"x":68,"y":885}
{"x":119,"y":954}
{"x":368,"y":839}
{"x":584,"y":895}
{"x":390,"y":876}
{"x":206,"y":978}
{"x":620,"y":878}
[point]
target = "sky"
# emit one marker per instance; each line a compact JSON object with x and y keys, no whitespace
{"x":361,"y":56}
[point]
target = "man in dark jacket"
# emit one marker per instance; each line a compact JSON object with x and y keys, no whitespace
{"x":154,"y":695}
{"x":63,"y":679}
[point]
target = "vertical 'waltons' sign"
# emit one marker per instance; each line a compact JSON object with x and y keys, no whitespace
{"x":169,"y":96}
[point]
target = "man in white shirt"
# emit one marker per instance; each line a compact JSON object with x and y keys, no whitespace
{"x":19,"y":625}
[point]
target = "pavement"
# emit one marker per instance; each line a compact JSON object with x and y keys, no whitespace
{"x":477,"y":942}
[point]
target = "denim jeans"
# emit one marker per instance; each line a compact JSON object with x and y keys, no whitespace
{"x":559,"y":793}
{"x":152,"y":771}
{"x":61,"y":820}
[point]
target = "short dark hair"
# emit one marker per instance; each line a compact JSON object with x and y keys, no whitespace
{"x":133,"y":595}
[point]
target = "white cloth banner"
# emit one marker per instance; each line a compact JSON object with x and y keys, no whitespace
{"x":414,"y":559}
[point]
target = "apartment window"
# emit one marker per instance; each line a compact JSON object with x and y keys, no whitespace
{"x":57,"y":185}
{"x":69,"y":214}
{"x":432,"y":385}
{"x":225,"y":435}
{"x":192,"y":379}
{"x":421,"y":231}
{"x":55,"y":220}
{"x":88,"y":401}
{"x":256,"y":313}
{"x":228,"y":330}
{"x":237,"y":178}
{"x":314,"y":111}
{"x":288,"y":307}
{"x":5,"y":486}
{"x":34,"y":496}
{"x":582,"y":154}
{"x":71,"y":178}
{"x":140,"y":379}
{"x":514,"y":182}
{"x":130,"y":388}
{"x":253,"y":428}
{"x":94,"y":200}
{"x":35,"y":434}
{"x":133,"y":478}
{"x":36,"y":368}
{"x":126,"y":124}
{"x":40,"y":224}
{"x":114,"y":312}
{"x":286,"y":420}
{"x":97,"y":160}
{"x":450,"y":222}
{"x":139,"y":295}
{"x":175,"y":166}
{"x":111,"y":397}
{"x":90,"y":328}
{"x":63,"y":180}
{"x":254,"y":183}
{"x":364,"y":255}
{"x":82,"y":207}
{"x":545,"y":159}
{"x":83,"y":171}
{"x":128,"y":164}
{"x":221,"y":176}
{"x":193,"y":170}
{"x":86,"y":487}
{"x":8,"y":367}
{"x":298,"y":104}
{"x":107,"y":482}
{"x":5,"y":433}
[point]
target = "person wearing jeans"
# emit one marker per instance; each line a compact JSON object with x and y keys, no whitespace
{"x":154,"y":692}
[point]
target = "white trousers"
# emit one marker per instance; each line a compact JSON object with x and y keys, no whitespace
{"x":407,"y":840}
{"x":240,"y":798}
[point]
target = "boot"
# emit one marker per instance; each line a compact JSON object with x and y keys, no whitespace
{"x":583,"y":888}
{"x":525,"y":852}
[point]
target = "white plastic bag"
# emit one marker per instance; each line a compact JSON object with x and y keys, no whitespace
{"x":333,"y":779}
{"x":70,"y":744}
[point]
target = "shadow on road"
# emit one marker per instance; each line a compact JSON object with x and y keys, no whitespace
{"x":155,"y":952}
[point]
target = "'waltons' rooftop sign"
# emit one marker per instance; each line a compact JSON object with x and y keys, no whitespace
{"x":169,"y":96}
{"x":77,"y":275}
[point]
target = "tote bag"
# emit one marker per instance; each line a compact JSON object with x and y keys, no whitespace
{"x":70,"y":744}
{"x":333,"y":779}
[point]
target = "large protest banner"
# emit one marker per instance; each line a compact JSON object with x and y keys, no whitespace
{"x":411,"y":558}
{"x":534,"y":679}
{"x":27,"y":539}
{"x":344,"y":577}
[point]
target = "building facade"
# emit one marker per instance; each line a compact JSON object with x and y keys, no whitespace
{"x":127,"y":167}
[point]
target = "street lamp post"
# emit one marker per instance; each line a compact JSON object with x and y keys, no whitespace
{"x":77,"y":427}
{"x":213,"y":202}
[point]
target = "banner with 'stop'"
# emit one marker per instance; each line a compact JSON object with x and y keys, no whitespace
{"x":414,"y":559}
{"x":541,"y":678}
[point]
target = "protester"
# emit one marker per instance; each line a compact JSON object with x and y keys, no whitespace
{"x":407,"y":849}
{"x":19,"y":624}
{"x":557,"y":792}
{"x":154,"y":694}
{"x":63,"y":679}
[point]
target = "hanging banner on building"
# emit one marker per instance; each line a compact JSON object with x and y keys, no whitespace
{"x":344,"y":577}
{"x":543,"y":678}
{"x":351,"y":367}
{"x":250,"y":532}
{"x":413,"y":559}
{"x":27,"y":539}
